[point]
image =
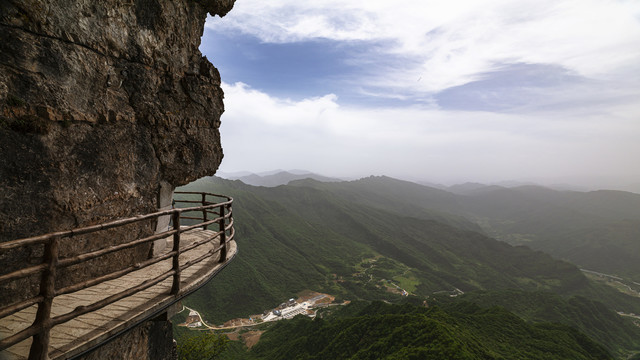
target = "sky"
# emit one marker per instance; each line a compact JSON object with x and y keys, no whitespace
{"x":446,"y":91}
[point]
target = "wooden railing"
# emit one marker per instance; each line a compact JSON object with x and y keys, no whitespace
{"x":209,"y":213}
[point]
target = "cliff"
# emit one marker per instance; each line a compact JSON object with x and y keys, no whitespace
{"x":105,"y":107}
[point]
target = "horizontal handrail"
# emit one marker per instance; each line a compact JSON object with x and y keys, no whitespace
{"x":23,"y":272}
{"x":43,"y":322}
{"x":106,"y":226}
{"x":14,"y":308}
{"x":191,"y":218}
{"x":94,"y":254}
{"x":20,"y":336}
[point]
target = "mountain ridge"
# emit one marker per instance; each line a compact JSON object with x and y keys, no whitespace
{"x":539,"y":217}
{"x":276,"y":177}
{"x":350,"y":239}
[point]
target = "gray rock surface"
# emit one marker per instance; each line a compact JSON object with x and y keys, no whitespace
{"x":101,"y":102}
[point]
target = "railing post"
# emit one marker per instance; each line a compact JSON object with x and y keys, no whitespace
{"x":40,"y":345}
{"x":223,"y":236}
{"x":175,"y":288}
{"x":204,"y":211}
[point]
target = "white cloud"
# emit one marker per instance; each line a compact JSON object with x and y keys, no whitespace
{"x":451,"y":43}
{"x":585,"y":126}
{"x":261,"y":133}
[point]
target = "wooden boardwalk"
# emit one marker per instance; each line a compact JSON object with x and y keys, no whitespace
{"x":87,"y":331}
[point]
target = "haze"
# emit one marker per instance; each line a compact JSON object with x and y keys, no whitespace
{"x":445,"y":91}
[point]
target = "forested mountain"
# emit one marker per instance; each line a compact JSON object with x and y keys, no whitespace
{"x":276,"y":178}
{"x":584,"y":314}
{"x":597,"y":230}
{"x":460,"y":331}
{"x":353,"y":239}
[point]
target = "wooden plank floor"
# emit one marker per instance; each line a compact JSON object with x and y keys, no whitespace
{"x":84,"y":332}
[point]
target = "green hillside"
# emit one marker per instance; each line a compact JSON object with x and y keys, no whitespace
{"x":294,"y":238}
{"x":591,"y":317}
{"x":348,"y":243}
{"x":398,"y":196}
{"x":612,"y":247}
{"x":596,"y":230}
{"x":463,"y":331}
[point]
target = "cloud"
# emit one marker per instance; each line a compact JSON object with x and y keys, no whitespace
{"x":448,"y":43}
{"x":261,"y":132}
{"x":490,"y":90}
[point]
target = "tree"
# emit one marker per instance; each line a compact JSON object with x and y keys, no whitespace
{"x":204,"y":346}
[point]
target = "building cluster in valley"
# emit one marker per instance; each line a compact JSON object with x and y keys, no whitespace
{"x":193,"y":320}
{"x":304,"y":305}
{"x":288,"y":310}
{"x":307,"y":304}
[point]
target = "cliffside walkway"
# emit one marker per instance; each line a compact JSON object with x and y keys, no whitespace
{"x":61,"y":323}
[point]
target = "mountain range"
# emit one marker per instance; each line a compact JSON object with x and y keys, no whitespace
{"x":275,"y":178}
{"x":354,"y":238}
{"x":596,"y":230}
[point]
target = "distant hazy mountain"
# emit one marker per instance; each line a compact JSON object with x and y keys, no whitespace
{"x":432,"y":185}
{"x":635,"y":188}
{"x":471,"y":188}
{"x":275,"y":178}
{"x":591,"y":229}
{"x":404,"y":197}
{"x":351,"y":238}
{"x":232,"y":175}
{"x":296,"y":236}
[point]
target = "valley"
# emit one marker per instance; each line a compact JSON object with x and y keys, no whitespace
{"x":381,"y":239}
{"x":625,"y":286}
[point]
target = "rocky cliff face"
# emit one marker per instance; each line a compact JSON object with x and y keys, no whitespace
{"x":103,"y":104}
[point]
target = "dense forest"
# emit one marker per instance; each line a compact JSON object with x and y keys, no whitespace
{"x":459,"y":331}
